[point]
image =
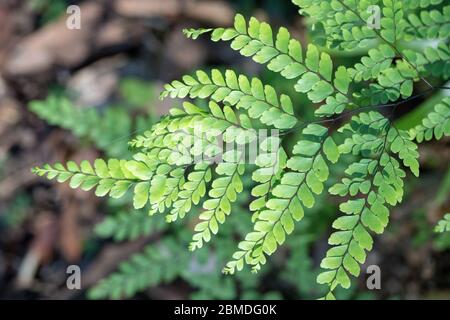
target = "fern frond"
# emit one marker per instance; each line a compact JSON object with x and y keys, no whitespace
{"x":372,"y":184}
{"x":175,"y":160}
{"x":365,"y":131}
{"x":346,"y":22}
{"x":393,"y":24}
{"x":436,"y":124}
{"x":371,"y":66}
{"x":285,"y":55}
{"x":392,"y":83}
{"x":432,"y":61}
{"x":341,"y":20}
{"x":365,"y":139}
{"x":271,"y":162}
{"x":401,"y":144}
{"x":282,"y":54}
{"x":288,"y":199}
{"x":429,"y":24}
{"x":194,"y":122}
{"x":155,"y":183}
{"x":195,"y":33}
{"x":261,"y":101}
{"x":443,"y":225}
{"x":168,"y":146}
{"x":192,"y":191}
{"x":114,"y":178}
{"x":223,"y":192}
{"x":165,"y":187}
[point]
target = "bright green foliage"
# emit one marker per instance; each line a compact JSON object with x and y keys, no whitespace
{"x":432,"y":61}
{"x":195,"y":33}
{"x":312,"y":69}
{"x":344,"y":21}
{"x":392,"y":23}
{"x":282,"y":54}
{"x":223,"y":192}
{"x":373,"y":183}
{"x":365,"y":139}
{"x":193,"y":190}
{"x":406,"y":150}
{"x":436,"y":124}
{"x":433,"y":24}
{"x":371,"y":66}
{"x":261,"y":101}
{"x":271,"y":162}
{"x":176,"y":165}
{"x":392,"y":84}
{"x":289,"y":198}
{"x":113,"y":178}
{"x":192,"y":131}
{"x":443,"y":225}
{"x":163,"y":189}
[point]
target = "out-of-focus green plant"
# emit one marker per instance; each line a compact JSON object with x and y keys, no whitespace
{"x":16,"y":212}
{"x":49,"y":10}
{"x":136,"y":93}
{"x":167,"y":260}
{"x":106,"y":128}
{"x":443,"y":225}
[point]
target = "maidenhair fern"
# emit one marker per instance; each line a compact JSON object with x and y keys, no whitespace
{"x":436,"y":124}
{"x":181,"y":162}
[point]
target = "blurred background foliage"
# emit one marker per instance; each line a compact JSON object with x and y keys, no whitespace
{"x":80,"y":97}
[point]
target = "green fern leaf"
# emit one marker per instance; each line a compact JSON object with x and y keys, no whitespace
{"x":192,"y":191}
{"x":223,"y":192}
{"x":261,"y":101}
{"x":345,"y":21}
{"x":113,"y":178}
{"x":432,"y":61}
{"x":294,"y":192}
{"x":432,"y":24}
{"x":436,"y":124}
{"x":371,"y":66}
{"x":443,"y":225}
{"x":392,"y":23}
{"x":284,"y":55}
